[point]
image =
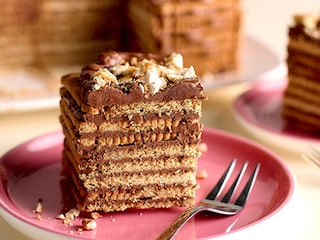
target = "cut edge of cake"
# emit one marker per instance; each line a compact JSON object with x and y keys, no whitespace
{"x":132,"y":129}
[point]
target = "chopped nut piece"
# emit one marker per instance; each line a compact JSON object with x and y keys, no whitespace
{"x":39,"y":208}
{"x":134,"y":61}
{"x":189,"y":72}
{"x":89,"y":224}
{"x":174,"y":77}
{"x":61,"y":216}
{"x":153,"y":81}
{"x":119,"y":69}
{"x":104,"y":77}
{"x":175,"y":60}
{"x":71,"y":214}
{"x":95,"y":215}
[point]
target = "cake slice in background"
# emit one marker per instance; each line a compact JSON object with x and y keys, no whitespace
{"x":301,"y":104}
{"x":207,"y":33}
{"x":132,"y":128}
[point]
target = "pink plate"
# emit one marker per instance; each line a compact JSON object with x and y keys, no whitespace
{"x":259,"y":111}
{"x":31,"y":172}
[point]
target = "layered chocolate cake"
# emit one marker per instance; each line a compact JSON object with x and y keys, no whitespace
{"x":301,"y":99}
{"x":207,"y":33}
{"x":42,"y":39}
{"x":51,"y":32}
{"x":131,"y":125}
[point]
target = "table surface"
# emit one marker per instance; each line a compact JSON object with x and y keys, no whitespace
{"x":301,"y":217}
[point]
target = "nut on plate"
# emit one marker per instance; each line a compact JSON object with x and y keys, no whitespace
{"x":89,"y":224}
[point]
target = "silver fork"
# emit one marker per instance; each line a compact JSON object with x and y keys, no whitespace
{"x":210,"y":202}
{"x":312,"y":155}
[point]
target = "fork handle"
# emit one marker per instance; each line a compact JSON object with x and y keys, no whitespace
{"x":174,"y":227}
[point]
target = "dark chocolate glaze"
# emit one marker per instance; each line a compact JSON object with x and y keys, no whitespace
{"x":298,"y":32}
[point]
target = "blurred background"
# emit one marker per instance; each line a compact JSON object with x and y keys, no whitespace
{"x":30,"y":66}
{"x":268,"y":20}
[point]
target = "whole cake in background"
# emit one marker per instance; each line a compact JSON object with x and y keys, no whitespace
{"x":41,"y":40}
{"x":132,"y":128}
{"x":62,"y":35}
{"x":58,"y":32}
{"x":301,"y":103}
{"x":206,"y":32}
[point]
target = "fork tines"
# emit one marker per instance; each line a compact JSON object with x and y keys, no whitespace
{"x":240,"y":201}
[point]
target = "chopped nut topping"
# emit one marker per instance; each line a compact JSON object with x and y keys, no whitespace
{"x":311,"y":24}
{"x":134,"y":61}
{"x":175,"y":60}
{"x":308,"y":21}
{"x":153,"y":81}
{"x":152,"y":77}
{"x":104,"y":77}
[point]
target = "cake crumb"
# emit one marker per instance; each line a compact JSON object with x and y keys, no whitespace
{"x":203,"y":147}
{"x":89,"y":224}
{"x":95,"y":215}
{"x":202,"y":174}
{"x":39,"y":208}
{"x":69,"y":216}
{"x":80,"y":230}
{"x":61,"y":216}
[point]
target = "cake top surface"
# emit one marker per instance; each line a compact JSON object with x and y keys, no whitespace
{"x":309,"y":23}
{"x":126,"y":77}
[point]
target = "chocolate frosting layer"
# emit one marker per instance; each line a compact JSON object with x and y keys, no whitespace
{"x":110,"y":95}
{"x":306,"y":27}
{"x":298,"y":32}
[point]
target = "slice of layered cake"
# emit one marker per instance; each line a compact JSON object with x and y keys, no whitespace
{"x":207,"y":33}
{"x":301,"y":104}
{"x":131,"y":125}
